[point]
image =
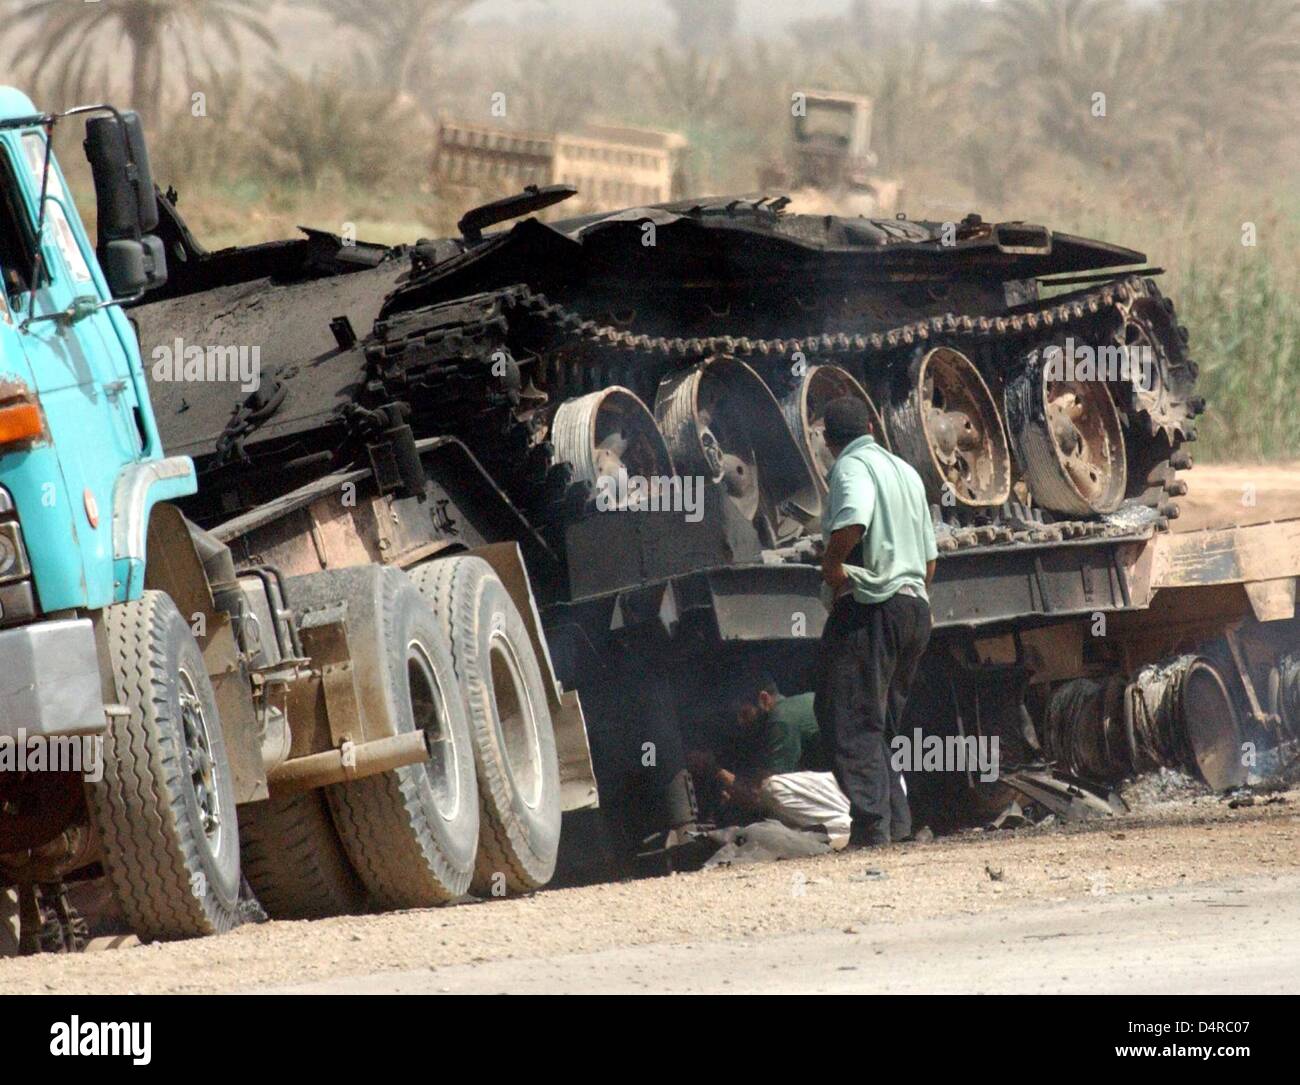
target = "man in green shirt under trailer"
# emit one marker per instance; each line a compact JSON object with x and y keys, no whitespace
{"x":774,"y":763}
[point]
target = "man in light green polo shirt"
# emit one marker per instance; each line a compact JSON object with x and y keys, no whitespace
{"x":879,"y":560}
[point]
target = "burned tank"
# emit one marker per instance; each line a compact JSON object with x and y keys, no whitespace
{"x":1039,"y":382}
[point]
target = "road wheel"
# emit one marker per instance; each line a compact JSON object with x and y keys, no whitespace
{"x":514,"y":744}
{"x":411,"y":833}
{"x":165,"y":808}
{"x":294,"y":860}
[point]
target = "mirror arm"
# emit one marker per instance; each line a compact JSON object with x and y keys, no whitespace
{"x":74,"y":313}
{"x":48,"y":121}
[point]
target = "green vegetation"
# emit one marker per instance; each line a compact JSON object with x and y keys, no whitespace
{"x":1166,"y":126}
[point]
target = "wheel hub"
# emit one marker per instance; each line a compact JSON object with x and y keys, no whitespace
{"x":948,"y":427}
{"x":204,"y":774}
{"x":429,"y":711}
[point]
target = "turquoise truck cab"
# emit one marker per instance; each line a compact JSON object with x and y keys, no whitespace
{"x":81,"y":465}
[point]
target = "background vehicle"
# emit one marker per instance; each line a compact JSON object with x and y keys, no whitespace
{"x":829,"y":165}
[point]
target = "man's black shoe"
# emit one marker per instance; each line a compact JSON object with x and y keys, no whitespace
{"x":867,"y":838}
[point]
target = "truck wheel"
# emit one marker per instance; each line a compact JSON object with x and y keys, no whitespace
{"x":165,"y":808}
{"x":412,"y":832}
{"x":514,"y":744}
{"x":294,"y":860}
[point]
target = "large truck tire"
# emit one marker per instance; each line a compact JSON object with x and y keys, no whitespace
{"x":412,"y":832}
{"x":165,"y":807}
{"x":294,"y":860}
{"x":514,"y":743}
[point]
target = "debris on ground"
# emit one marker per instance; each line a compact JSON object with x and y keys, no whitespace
{"x":1013,"y":817}
{"x":1162,"y":786}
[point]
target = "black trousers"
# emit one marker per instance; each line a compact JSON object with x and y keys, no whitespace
{"x":869,"y":657}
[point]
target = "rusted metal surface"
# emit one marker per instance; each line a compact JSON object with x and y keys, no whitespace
{"x":1175,"y":714}
{"x":948,"y":427}
{"x":723,"y":424}
{"x":805,"y":410}
{"x":1068,"y":439}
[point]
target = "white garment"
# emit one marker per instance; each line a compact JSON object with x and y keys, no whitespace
{"x":802,"y":800}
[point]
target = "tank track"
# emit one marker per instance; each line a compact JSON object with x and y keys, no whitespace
{"x":447,"y":360}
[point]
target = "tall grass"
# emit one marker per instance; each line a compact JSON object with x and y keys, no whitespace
{"x":1244,"y":316}
{"x":1240,"y":304}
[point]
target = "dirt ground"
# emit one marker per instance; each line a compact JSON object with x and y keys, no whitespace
{"x":1191,"y":842}
{"x":1184,"y":856}
{"x":1160,"y":942}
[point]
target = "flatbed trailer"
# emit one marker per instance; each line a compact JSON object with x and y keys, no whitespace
{"x":1013,"y":624}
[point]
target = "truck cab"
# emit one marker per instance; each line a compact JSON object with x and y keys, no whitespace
{"x":81,"y":466}
{"x":80,"y":457}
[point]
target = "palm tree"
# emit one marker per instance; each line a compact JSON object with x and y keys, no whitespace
{"x":704,"y":24}
{"x":402,"y":33}
{"x":690,"y":86}
{"x":77,"y":44}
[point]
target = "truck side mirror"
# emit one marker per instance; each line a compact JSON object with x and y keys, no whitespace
{"x":123,"y":264}
{"x":127,"y":205}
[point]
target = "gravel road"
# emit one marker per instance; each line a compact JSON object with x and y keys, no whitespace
{"x":1160,"y":942}
{"x":977,"y":882}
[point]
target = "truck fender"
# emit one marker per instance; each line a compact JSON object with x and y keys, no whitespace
{"x":139,"y":487}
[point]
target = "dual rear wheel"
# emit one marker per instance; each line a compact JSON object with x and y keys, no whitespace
{"x":443,"y":651}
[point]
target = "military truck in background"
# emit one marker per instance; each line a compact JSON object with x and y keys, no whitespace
{"x":829,"y":166}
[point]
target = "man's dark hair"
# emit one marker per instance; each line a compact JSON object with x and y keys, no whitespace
{"x":846,"y":419}
{"x":747,"y":693}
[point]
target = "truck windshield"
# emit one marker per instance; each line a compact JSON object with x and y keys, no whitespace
{"x":826,"y":123}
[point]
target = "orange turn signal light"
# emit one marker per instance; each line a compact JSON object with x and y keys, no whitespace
{"x":20,"y":421}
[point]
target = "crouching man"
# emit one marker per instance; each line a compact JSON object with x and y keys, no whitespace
{"x":773,"y":764}
{"x":878,"y":563}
